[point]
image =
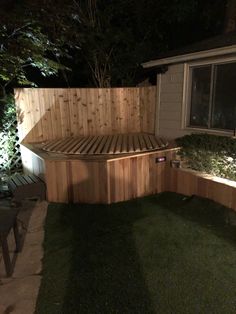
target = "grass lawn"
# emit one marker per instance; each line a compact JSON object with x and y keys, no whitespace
{"x":158,"y":254}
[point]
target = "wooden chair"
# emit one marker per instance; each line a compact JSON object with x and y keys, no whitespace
{"x":8,"y":221}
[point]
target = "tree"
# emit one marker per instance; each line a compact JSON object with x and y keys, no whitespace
{"x":108,"y":40}
{"x":23,"y":45}
{"x":117,"y":36}
{"x":97,"y":47}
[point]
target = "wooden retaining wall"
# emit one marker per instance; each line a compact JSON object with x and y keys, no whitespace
{"x":190,"y":182}
{"x":50,"y":113}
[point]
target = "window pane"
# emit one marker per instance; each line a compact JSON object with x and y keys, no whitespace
{"x":224,"y":102}
{"x":200,"y":96}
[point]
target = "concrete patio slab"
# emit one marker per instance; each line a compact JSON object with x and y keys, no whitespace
{"x":18,"y":294}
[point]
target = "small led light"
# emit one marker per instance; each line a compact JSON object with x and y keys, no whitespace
{"x":160,"y":159}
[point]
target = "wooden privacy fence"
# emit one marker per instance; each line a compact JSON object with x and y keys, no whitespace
{"x":46,"y":114}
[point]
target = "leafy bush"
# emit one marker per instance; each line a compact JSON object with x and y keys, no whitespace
{"x":212,"y":154}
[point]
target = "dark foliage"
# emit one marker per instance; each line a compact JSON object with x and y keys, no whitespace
{"x":209,"y":153}
{"x":104,"y":42}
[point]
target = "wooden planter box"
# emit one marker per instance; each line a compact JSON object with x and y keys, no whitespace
{"x":190,"y":182}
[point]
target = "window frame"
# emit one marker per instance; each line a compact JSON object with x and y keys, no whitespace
{"x":187,"y":89}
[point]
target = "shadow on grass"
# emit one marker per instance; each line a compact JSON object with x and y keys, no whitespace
{"x":160,"y":254}
{"x":217,"y":218}
{"x":105,"y":274}
{"x":97,"y":268}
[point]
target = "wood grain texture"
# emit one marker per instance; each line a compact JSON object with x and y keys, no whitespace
{"x":138,"y":175}
{"x":51,"y":113}
{"x":123,"y":178}
{"x":189,"y":182}
{"x":106,"y":144}
{"x":106,"y":181}
{"x":83,"y":181}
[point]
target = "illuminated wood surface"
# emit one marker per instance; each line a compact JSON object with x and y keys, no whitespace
{"x":54,"y":113}
{"x":189,"y":182}
{"x":106,"y":181}
{"x":106,"y":144}
{"x":102,"y":180}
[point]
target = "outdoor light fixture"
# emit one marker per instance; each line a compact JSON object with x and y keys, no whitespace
{"x":160,"y":159}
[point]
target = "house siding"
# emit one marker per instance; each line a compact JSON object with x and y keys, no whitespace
{"x":171,"y":102}
{"x":170,"y":115}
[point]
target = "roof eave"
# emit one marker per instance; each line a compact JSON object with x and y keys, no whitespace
{"x":191,"y":56}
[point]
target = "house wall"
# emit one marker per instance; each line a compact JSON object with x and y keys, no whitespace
{"x":171,"y":87}
{"x":172,"y":100}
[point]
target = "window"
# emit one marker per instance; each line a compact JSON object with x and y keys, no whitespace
{"x":213,"y":96}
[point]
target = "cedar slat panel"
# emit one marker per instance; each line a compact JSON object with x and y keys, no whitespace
{"x":113,"y":144}
{"x":118,"y":144}
{"x":130,"y":143}
{"x":104,"y":144}
{"x":84,"y":145}
{"x":77,"y":146}
{"x":101,"y":145}
{"x":136,"y":143}
{"x":142,"y":142}
{"x":122,"y":178}
{"x":147,"y":140}
{"x":56,"y":146}
{"x":124,"y":144}
{"x":49,"y":113}
{"x":153,"y":141}
{"x":94,"y":145}
{"x":106,"y":105}
{"x":65,"y":145}
{"x":73,"y":143}
{"x":137,"y":176}
{"x":107,"y":145}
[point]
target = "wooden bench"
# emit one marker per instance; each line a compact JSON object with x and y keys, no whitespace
{"x":26,"y":186}
{"x":8,"y":221}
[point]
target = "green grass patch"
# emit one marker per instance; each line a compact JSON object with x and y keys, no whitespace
{"x":158,"y":254}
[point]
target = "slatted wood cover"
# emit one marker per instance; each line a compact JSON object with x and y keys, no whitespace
{"x":23,"y":186}
{"x":19,"y":180}
{"x":106,"y":144}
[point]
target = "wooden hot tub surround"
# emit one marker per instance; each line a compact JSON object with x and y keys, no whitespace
{"x":78,"y":160}
{"x":100,"y":178}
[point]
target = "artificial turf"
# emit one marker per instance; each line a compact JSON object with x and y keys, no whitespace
{"x":158,"y":254}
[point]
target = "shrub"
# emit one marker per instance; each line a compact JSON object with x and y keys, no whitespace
{"x":212,"y":154}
